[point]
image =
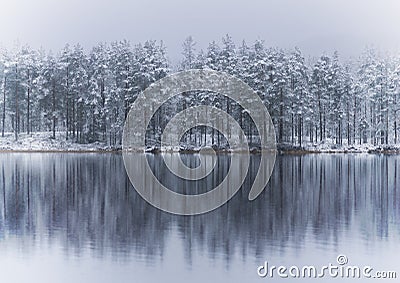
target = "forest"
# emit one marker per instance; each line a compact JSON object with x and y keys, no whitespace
{"x":85,"y":96}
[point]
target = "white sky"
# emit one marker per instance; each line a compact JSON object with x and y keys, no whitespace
{"x":316,"y":26}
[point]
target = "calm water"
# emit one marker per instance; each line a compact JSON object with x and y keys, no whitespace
{"x":76,"y":218}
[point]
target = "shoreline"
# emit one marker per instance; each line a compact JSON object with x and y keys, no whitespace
{"x":252,"y":152}
{"x":42,"y":142}
{"x":59,"y":151}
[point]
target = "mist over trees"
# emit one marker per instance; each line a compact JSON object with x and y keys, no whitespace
{"x":85,"y":96}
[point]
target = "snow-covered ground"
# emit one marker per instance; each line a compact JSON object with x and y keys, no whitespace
{"x":331,"y":147}
{"x":43,"y":141}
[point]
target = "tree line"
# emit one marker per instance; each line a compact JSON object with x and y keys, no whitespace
{"x":87,"y":95}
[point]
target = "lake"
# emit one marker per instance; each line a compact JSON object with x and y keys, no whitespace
{"x":74,"y":217}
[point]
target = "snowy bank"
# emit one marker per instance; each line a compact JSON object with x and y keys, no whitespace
{"x":43,"y":141}
{"x":326,"y":147}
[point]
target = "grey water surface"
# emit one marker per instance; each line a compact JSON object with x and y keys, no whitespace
{"x":74,"y":217}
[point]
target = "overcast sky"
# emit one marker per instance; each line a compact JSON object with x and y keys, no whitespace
{"x":316,"y":26}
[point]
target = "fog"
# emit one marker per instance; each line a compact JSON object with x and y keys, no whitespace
{"x":314,"y":26}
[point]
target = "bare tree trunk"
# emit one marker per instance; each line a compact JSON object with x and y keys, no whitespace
{"x":126,"y":94}
{"x":28,"y":104}
{"x":73,"y":116}
{"x":292,"y":128}
{"x":300,"y":130}
{"x":324,"y":126}
{"x":320,"y":116}
{"x":354,"y":119}
{"x":348,"y":125}
{"x":280,"y":115}
{"x":4,"y":106}
{"x":16,"y":104}
{"x":54,"y":109}
{"x":316,"y":133}
{"x":205,"y":128}
{"x":387,"y":123}
{"x":67,"y":126}
{"x":103,"y":103}
{"x":228,"y":110}
{"x":395,"y":118}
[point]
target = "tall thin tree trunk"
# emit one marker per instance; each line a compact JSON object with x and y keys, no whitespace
{"x":292,"y":128}
{"x":68,"y":128}
{"x":395,"y":118}
{"x":228,"y":128}
{"x":387,"y":123}
{"x":354,"y":119}
{"x":73,"y":116}
{"x":28,"y":104}
{"x":16,"y":104}
{"x":54,"y":109}
{"x":126,"y":93}
{"x":320,"y":116}
{"x":280,"y":115}
{"x":300,"y":131}
{"x":103,"y":103}
{"x":348,"y":125}
{"x":4,"y":106}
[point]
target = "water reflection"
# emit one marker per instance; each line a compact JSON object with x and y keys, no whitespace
{"x":84,"y":202}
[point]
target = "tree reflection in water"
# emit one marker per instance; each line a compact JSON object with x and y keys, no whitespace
{"x":85,"y":201}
